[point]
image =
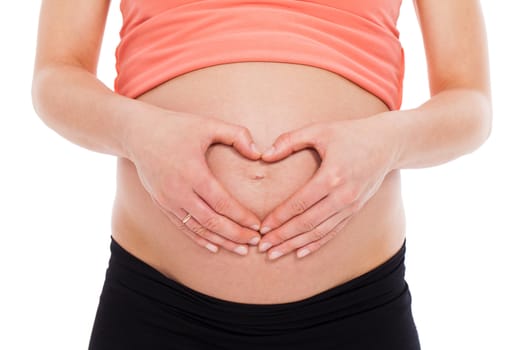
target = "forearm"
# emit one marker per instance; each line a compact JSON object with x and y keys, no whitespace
{"x":451,"y":124}
{"x":75,"y":104}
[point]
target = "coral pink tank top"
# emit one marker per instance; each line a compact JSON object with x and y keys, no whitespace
{"x":357,"y":39}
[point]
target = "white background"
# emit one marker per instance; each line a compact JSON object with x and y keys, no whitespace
{"x":465,"y":219}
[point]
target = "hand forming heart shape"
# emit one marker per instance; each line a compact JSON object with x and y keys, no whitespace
{"x":341,"y":186}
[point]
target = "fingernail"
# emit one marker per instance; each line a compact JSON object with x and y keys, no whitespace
{"x":241,"y":250}
{"x":255,"y":227}
{"x":255,"y":240}
{"x":212,"y":248}
{"x":269,"y":152}
{"x":265,"y":230}
{"x":254,"y":148}
{"x":303,"y":253}
{"x":275,"y":255}
{"x":265,"y":246}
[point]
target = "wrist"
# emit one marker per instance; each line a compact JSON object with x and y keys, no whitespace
{"x":393,"y":135}
{"x":134,"y":120}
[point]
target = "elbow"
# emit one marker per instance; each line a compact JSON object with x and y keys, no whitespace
{"x":482,"y":119}
{"x":38,"y":98}
{"x":45,"y":95}
{"x":485,"y":117}
{"x":34,"y":93}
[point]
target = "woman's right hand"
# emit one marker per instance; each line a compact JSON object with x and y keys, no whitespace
{"x":168,"y":150}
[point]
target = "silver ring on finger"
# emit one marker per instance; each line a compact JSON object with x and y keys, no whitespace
{"x":186,"y":219}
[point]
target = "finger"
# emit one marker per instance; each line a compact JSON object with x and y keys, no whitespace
{"x":193,"y":236}
{"x":237,"y":136}
{"x":200,"y":235}
{"x":308,"y":221}
{"x":219,"y":224}
{"x":196,"y":227}
{"x":290,"y":142}
{"x":313,"y":239}
{"x":312,"y":247}
{"x":216,"y":196}
{"x":312,"y":192}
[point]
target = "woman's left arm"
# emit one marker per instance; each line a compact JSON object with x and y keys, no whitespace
{"x":454,"y":122}
{"x":458,"y":117}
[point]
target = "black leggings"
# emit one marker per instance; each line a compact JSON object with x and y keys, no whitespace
{"x":142,"y":309}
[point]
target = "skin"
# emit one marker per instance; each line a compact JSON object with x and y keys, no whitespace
{"x":96,"y":118}
{"x":455,"y":121}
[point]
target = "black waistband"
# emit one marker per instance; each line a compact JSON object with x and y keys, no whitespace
{"x":364,"y":293}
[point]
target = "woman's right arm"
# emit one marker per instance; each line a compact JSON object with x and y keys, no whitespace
{"x":168,"y":148}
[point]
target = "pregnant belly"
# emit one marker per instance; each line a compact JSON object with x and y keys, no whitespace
{"x":269,"y":99}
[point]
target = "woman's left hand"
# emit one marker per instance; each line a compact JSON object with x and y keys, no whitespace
{"x":356,"y":156}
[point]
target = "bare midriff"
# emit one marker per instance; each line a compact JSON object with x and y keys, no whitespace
{"x":269,"y":98}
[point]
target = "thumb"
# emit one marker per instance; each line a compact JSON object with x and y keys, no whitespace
{"x":239,"y":137}
{"x":290,"y":142}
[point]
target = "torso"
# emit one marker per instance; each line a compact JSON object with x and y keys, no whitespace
{"x":269,"y":98}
